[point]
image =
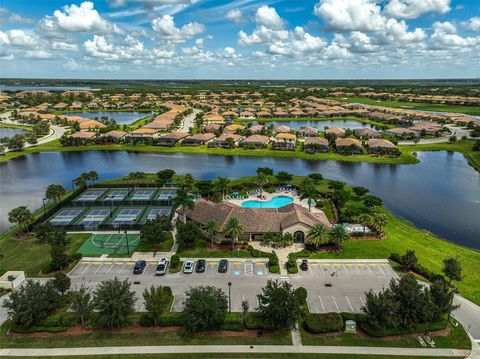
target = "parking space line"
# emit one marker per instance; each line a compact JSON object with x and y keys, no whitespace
{"x":321,"y":302}
{"x":121,"y":269}
{"x":348,"y":301}
{"x":381,"y":270}
{"x":109,"y":269}
{"x":346,"y":270}
{"x":358,"y":270}
{"x":100,"y":266}
{"x":371,"y":272}
{"x":334,"y":301}
{"x":87,"y":268}
{"x":363,"y":303}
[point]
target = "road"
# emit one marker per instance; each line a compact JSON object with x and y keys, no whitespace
{"x":188,"y":121}
{"x":457,"y":131}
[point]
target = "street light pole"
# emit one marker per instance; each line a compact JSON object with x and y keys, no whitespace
{"x":73,"y":185}
{"x":43,"y":202}
{"x":229,"y":297}
{"x":126,"y":238}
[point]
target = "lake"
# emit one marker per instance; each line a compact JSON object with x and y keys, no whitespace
{"x":440,"y":194}
{"x":122,"y":118}
{"x":320,"y":124}
{"x":10,"y":132}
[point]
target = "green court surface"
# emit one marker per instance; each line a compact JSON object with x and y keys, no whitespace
{"x":115,"y":243}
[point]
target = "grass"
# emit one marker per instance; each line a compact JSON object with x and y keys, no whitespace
{"x":470,"y":110}
{"x":30,"y":255}
{"x":20,"y":127}
{"x":457,"y":339}
{"x":139,"y":123}
{"x":144,"y":246}
{"x":200,"y":249}
{"x":113,"y":338}
{"x":430,"y":250}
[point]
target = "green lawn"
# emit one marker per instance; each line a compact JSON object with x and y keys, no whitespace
{"x":457,"y":339}
{"x":470,"y":110}
{"x":20,"y":127}
{"x":200,"y":249}
{"x":113,"y":338}
{"x":144,"y":246}
{"x":30,"y":255}
{"x":430,"y":250}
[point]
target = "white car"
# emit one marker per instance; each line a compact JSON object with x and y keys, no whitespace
{"x":188,"y":267}
{"x":162,"y":267}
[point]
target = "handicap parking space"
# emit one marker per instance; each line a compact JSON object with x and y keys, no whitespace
{"x":260,"y":268}
{"x":237,"y":268}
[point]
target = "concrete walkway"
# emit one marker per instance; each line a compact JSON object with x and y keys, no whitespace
{"x":174,"y":349}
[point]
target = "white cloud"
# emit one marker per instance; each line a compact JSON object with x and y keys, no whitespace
{"x":411,"y":9}
{"x":445,"y":36}
{"x":234,"y":15}
{"x":129,"y":49}
{"x":20,"y":38}
{"x":268,"y":17}
{"x":7,"y":16}
{"x":164,"y":53}
{"x":38,"y":54}
{"x":350,"y":15}
{"x":473,"y":24}
{"x":59,"y":45}
{"x":4,"y":38}
{"x":166,"y":29}
{"x":73,"y":18}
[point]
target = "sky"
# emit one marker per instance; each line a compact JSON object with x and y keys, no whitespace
{"x":242,"y":39}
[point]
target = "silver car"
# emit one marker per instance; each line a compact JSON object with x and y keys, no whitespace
{"x":162,"y":267}
{"x":188,"y":267}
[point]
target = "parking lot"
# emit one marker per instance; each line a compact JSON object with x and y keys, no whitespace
{"x":332,"y":286}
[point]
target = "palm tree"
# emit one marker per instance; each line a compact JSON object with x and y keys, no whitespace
{"x":261,"y":180}
{"x":80,"y":181}
{"x":222,"y":184}
{"x":55,"y":192}
{"x":378,"y":219}
{"x":92,"y":176}
{"x":211,"y":229}
{"x":233,"y":229}
{"x":188,"y":181}
{"x":364,"y":219}
{"x":183,"y":199}
{"x":309,"y":192}
{"x":21,"y":216}
{"x":339,"y":235}
{"x":318,"y":235}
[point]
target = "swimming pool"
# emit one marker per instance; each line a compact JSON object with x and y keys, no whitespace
{"x":275,"y":202}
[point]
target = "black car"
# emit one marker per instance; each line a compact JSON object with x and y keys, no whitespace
{"x":223,"y":266}
{"x":200,"y":266}
{"x":304,"y":265}
{"x":139,"y":267}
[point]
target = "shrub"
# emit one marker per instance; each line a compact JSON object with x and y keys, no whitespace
{"x":146,"y":321}
{"x":419,"y":328}
{"x":323,"y":323}
{"x":233,"y":322}
{"x":357,"y":317}
{"x":174,"y":261}
{"x":255,"y":321}
{"x":167,"y":291}
{"x":172,"y":319}
{"x":36,"y":328}
{"x":292,"y":267}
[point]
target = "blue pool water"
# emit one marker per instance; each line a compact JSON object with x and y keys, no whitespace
{"x":275,"y":202}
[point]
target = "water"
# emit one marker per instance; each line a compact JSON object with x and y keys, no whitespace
{"x":10,"y":132}
{"x":320,"y":124}
{"x":122,"y":118}
{"x":275,"y":202}
{"x":44,"y":88}
{"x":440,"y":194}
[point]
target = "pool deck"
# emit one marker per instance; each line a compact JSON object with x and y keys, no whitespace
{"x":269,"y":196}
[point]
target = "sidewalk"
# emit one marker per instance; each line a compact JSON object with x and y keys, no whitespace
{"x":170,"y":349}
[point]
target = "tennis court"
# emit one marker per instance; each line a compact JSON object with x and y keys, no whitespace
{"x":143,"y":195}
{"x":115,"y":195}
{"x":65,"y":216}
{"x":90,"y":195}
{"x":154,"y":212}
{"x":116,"y":243}
{"x":94,"y":218}
{"x":169,"y":194}
{"x":127,"y":216}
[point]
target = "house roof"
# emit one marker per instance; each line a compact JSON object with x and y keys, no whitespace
{"x":256,"y":220}
{"x":234,"y":127}
{"x":316,"y":141}
{"x":283,"y":129}
{"x":287,"y":136}
{"x":257,"y":139}
{"x":339,"y":142}
{"x":115,"y":134}
{"x":84,"y":135}
{"x":144,"y":131}
{"x":176,"y":135}
{"x":378,"y":142}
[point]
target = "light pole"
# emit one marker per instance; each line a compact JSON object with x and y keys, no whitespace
{"x":73,"y":185}
{"x":111,"y":204}
{"x":43,"y":202}
{"x":229,"y":297}
{"x":126,"y":238}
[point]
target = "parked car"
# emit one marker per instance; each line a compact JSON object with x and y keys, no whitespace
{"x":162,"y":267}
{"x":200,"y":267}
{"x":139,"y":267}
{"x":304,"y":265}
{"x":223,"y":266}
{"x":188,"y":267}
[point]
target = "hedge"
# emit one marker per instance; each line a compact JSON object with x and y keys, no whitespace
{"x":418,"y":268}
{"x":234,"y":322}
{"x":419,"y":328}
{"x":255,"y":321}
{"x":172,"y":319}
{"x":36,"y":328}
{"x":323,"y":323}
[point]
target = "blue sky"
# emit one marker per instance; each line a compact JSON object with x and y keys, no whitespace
{"x":212,"y":39}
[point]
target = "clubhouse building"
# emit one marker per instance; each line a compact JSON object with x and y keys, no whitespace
{"x":292,"y":218}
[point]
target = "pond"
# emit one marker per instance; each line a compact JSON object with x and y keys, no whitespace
{"x":121,"y":117}
{"x":440,"y":194}
{"x":320,"y":124}
{"x":10,"y":132}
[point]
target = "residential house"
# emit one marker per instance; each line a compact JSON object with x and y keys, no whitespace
{"x":233,"y":128}
{"x":227,"y":140}
{"x":315,"y":144}
{"x":308,"y":131}
{"x":378,"y":146}
{"x":172,"y":138}
{"x":115,"y":135}
{"x":258,"y":141}
{"x":198,"y":139}
{"x":285,"y":141}
{"x":401,"y":132}
{"x":337,"y":132}
{"x":348,"y":146}
{"x":283,"y":129}
{"x":366,"y":133}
